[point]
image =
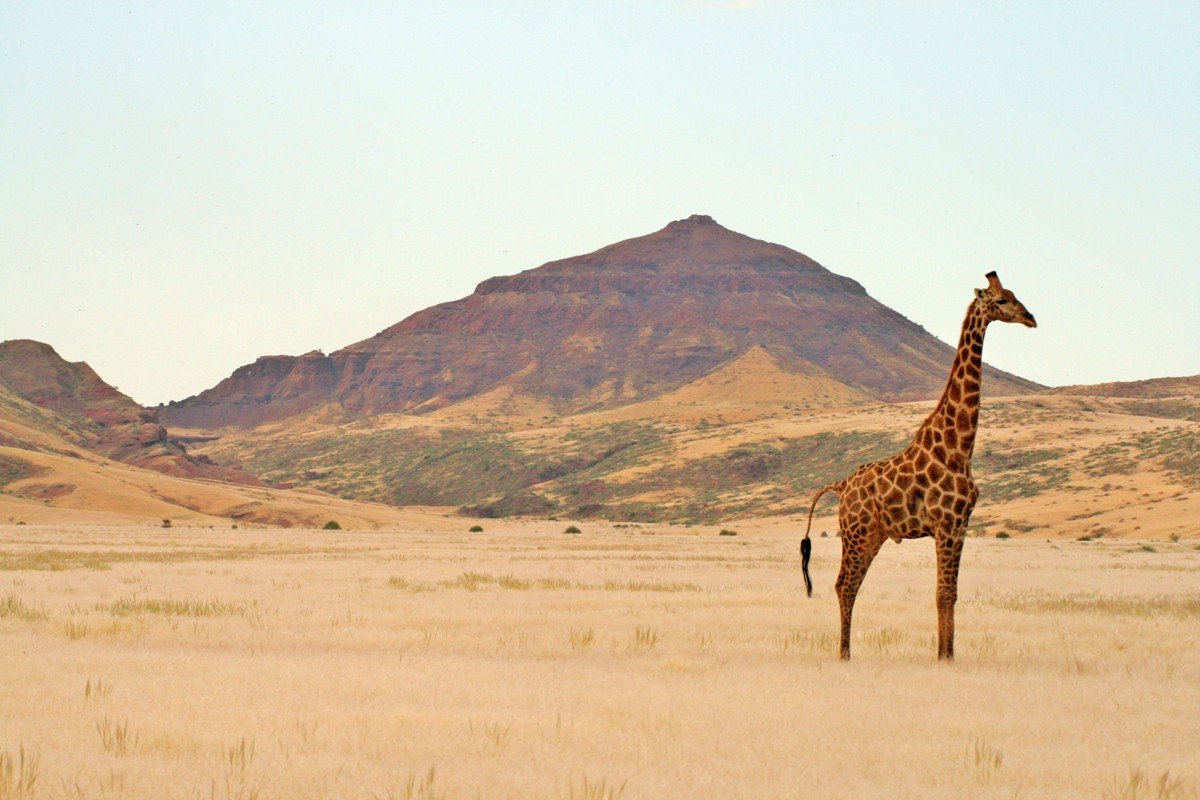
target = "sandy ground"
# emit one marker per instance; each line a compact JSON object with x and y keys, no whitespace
{"x":635,"y":662}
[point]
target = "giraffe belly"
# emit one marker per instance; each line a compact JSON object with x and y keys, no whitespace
{"x":912,"y":530}
{"x":905,"y":516}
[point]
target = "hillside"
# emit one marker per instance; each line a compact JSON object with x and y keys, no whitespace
{"x":1047,"y":465}
{"x":46,"y":401}
{"x":627,"y":323}
{"x":48,"y":474}
{"x":39,"y":487}
{"x":1154,"y":388}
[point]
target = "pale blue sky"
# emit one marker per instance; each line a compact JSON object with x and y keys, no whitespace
{"x":184,"y":187}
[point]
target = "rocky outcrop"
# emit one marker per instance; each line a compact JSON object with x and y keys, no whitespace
{"x":630,"y":321}
{"x":272,"y":388}
{"x":97,"y":415}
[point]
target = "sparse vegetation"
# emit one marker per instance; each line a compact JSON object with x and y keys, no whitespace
{"x":455,"y":648}
{"x":14,"y":607}
{"x":1137,"y":786}
{"x":172,"y":607}
{"x":332,"y":525}
{"x":12,"y":470}
{"x":1143,"y":606}
{"x":586,"y":789}
{"x":19,"y":774}
{"x":476,"y":529}
{"x":608,"y":471}
{"x":572,"y":529}
{"x":116,"y":737}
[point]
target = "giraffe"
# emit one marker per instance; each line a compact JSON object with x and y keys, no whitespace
{"x":926,"y":489}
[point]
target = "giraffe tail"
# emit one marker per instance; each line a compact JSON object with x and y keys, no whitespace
{"x":806,"y":542}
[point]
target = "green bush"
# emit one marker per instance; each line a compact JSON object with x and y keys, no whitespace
{"x":332,"y":526}
{"x":727,"y":532}
{"x":572,"y":529}
{"x":1003,"y":535}
{"x":476,"y":529}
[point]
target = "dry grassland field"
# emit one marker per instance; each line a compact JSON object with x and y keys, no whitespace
{"x":628,"y":662}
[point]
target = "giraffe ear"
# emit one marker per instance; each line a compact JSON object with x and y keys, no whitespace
{"x":993,"y":280}
{"x":978,"y":294}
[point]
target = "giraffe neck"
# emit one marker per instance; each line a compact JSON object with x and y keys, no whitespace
{"x":955,"y":420}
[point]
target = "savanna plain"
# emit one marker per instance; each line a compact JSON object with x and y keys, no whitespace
{"x":627,"y":661}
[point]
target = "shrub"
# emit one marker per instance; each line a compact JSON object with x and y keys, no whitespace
{"x":166,"y":523}
{"x":332,"y":526}
{"x":572,"y":529}
{"x":727,"y":532}
{"x":1003,"y":535}
{"x":476,"y":529}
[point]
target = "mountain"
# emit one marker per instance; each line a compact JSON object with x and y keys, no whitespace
{"x":626,"y":323}
{"x":48,"y":403}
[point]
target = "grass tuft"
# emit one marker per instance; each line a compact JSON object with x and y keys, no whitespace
{"x":582,"y":639}
{"x":98,"y":689}
{"x":18,"y":774}
{"x":644,"y":637}
{"x":13,"y":606}
{"x":115,"y":737}
{"x":414,"y":788}
{"x":127,"y":606}
{"x":1136,"y":786}
{"x":587,"y":789}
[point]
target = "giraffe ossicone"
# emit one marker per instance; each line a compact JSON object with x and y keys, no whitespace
{"x":926,"y":489}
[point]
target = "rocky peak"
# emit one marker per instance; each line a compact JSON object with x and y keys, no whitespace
{"x":694,"y":221}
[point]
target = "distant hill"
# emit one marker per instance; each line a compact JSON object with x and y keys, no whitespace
{"x":46,"y":400}
{"x":1156,"y":388}
{"x":630,"y":322}
{"x":74,"y":450}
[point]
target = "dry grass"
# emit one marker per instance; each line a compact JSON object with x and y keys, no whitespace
{"x":627,"y":663}
{"x":18,"y":774}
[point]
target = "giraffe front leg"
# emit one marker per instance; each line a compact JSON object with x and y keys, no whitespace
{"x":858,"y":550}
{"x":949,"y":553}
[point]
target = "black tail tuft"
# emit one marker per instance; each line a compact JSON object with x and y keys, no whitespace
{"x":806,"y":543}
{"x":805,"y":552}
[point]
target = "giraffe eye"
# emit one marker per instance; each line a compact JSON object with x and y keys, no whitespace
{"x":1001,"y":301}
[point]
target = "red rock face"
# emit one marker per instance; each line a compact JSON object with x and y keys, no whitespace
{"x":109,"y":422}
{"x":627,"y":322}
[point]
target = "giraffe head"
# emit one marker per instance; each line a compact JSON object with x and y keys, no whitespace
{"x":999,"y":304}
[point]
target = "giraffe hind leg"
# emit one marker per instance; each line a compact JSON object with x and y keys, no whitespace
{"x":859,"y":547}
